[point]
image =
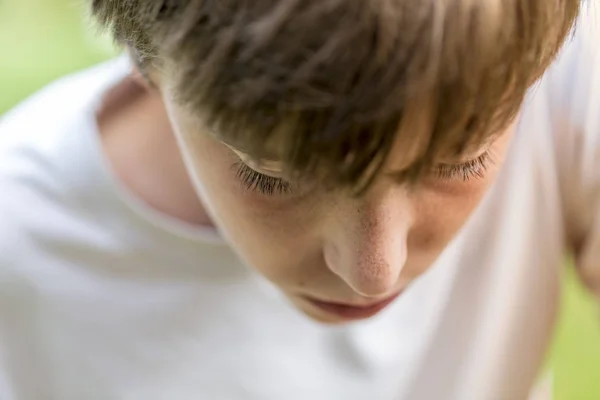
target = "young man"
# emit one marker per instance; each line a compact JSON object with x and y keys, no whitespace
{"x":316,"y":199}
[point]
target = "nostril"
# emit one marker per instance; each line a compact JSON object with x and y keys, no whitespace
{"x":331,"y":256}
{"x":374,"y":279}
{"x":369,"y":275}
{"x":370,"y":259}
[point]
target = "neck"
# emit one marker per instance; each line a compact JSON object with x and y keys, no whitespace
{"x":139,"y":143}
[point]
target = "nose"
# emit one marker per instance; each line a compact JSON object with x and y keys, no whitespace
{"x":366,"y":246}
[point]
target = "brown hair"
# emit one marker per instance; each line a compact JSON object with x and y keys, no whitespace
{"x":329,"y":85}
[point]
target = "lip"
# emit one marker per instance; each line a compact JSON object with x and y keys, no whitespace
{"x":349,"y":311}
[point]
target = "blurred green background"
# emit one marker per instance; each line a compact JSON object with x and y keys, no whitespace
{"x":44,"y":39}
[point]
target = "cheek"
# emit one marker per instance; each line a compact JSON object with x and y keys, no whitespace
{"x":439,"y":216}
{"x":264,"y":232}
{"x":441,"y":209}
{"x":236,"y":205}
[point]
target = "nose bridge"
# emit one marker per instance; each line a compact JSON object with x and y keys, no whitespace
{"x":366,"y":245}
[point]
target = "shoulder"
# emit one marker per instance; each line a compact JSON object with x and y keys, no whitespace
{"x":38,"y":120}
{"x":42,"y":139}
{"x":16,"y":212}
{"x":574,"y":79}
{"x":43,"y":159}
{"x":572,"y":97}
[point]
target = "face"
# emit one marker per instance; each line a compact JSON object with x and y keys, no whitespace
{"x":337,"y":257}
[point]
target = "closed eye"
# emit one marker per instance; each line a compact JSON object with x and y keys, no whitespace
{"x":472,"y":169}
{"x":265,"y":184}
{"x":255,"y":181}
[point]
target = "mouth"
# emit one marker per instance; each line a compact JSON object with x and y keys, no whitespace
{"x":351,"y":311}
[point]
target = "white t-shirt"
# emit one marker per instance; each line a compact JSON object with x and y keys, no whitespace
{"x":103,"y":298}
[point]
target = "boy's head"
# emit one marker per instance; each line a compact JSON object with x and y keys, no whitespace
{"x":340,"y":144}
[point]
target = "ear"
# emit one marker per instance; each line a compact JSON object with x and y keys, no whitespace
{"x":142,"y":71}
{"x":142,"y":78}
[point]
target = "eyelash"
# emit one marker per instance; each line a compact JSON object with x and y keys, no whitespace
{"x":473,"y":169}
{"x":255,"y":181}
{"x":271,"y":186}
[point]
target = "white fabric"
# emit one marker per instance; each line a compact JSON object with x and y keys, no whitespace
{"x":102,"y":298}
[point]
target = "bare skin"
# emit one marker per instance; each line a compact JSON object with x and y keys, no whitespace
{"x":139,"y":142}
{"x":312,"y":245}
